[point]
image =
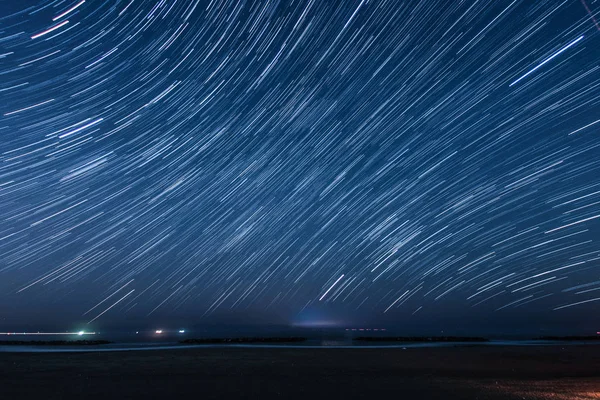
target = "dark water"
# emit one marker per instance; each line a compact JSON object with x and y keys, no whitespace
{"x":170,"y":343}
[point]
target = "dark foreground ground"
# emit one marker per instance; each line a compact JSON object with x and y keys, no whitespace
{"x":479,"y":372}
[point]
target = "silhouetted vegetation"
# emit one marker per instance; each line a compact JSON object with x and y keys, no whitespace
{"x":244,"y":340}
{"x":420,"y":339}
{"x":570,"y":338}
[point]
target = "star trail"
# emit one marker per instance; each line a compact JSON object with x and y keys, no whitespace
{"x":382,"y":158}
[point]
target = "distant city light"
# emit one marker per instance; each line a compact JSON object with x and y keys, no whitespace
{"x":81,"y":333}
{"x":366,"y":329}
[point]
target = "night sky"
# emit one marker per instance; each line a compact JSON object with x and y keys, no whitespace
{"x":308,"y":162}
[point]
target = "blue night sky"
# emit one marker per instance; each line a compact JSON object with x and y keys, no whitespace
{"x":427,"y":163}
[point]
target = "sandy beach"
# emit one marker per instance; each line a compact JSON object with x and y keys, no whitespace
{"x":462,"y":372}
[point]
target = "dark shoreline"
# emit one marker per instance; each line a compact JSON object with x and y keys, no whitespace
{"x":244,"y":340}
{"x":570,"y":338}
{"x":419,"y":339}
{"x":361,"y":341}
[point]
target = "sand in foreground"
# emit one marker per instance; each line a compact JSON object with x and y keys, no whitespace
{"x":478,"y":372}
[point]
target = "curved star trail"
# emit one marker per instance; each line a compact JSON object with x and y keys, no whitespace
{"x":378,"y":157}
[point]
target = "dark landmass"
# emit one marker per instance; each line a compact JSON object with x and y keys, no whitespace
{"x":570,"y":338}
{"x":244,"y":340}
{"x":449,"y":373}
{"x":53,"y":342}
{"x":420,"y":339}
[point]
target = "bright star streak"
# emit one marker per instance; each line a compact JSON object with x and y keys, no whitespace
{"x":573,"y":43}
{"x":331,"y":287}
